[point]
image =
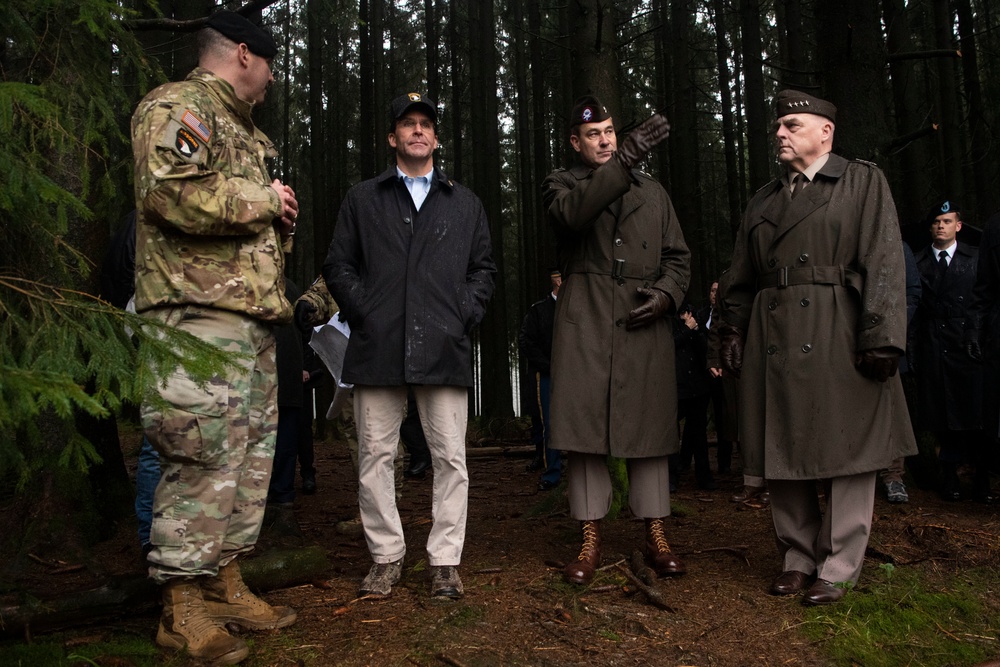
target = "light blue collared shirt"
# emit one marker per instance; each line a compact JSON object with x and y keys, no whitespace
{"x":418,"y":186}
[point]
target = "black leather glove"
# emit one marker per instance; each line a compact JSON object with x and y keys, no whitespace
{"x":973,"y":349}
{"x":639,"y":141}
{"x":879,"y":364}
{"x":305,"y":315}
{"x":731,"y":349}
{"x":655,"y":306}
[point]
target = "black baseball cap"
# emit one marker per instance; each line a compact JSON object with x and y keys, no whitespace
{"x":404,"y":103}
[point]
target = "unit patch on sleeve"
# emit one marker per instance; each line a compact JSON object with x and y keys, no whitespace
{"x":185,"y":143}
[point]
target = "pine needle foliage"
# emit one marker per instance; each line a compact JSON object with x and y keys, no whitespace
{"x":62,"y":350}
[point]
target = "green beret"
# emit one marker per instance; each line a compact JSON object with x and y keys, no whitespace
{"x":239,"y":29}
{"x":588,"y":109}
{"x":792,"y":101}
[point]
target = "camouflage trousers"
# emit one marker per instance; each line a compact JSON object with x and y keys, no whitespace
{"x":216,"y":445}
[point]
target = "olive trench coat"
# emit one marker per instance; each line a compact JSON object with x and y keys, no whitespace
{"x":814,"y":280}
{"x":613,"y":390}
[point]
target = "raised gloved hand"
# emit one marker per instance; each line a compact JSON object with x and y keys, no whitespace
{"x":731,"y":349}
{"x":655,"y":306}
{"x":878,"y":364}
{"x":640,"y":140}
{"x":305,"y":315}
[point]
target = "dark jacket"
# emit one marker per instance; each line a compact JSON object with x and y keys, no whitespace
{"x":289,"y":357}
{"x":535,"y":339}
{"x":985,"y":323}
{"x":690,"y":358}
{"x":118,"y":270}
{"x":950,"y":383}
{"x":913,"y":292}
{"x":613,"y":390}
{"x":412,"y":285}
{"x":816,"y":279}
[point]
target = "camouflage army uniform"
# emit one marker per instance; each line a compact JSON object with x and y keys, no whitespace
{"x":209,"y":261}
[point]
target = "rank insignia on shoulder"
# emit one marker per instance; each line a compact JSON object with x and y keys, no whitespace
{"x":185,"y":143}
{"x":196,"y":125}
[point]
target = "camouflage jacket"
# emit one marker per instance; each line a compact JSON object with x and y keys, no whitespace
{"x":205,"y":233}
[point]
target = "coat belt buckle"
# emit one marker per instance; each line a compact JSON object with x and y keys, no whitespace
{"x":618,"y":270}
{"x":783,"y":277}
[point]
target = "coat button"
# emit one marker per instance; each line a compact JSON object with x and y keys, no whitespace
{"x":618,"y":242}
{"x":804,"y":257}
{"x":772,"y":262}
{"x":807,"y":347}
{"x":406,"y":220}
{"x":619,"y":322}
{"x":644,"y":245}
{"x":772,"y":349}
{"x":804,"y":303}
{"x":875,"y":319}
{"x":773,"y":304}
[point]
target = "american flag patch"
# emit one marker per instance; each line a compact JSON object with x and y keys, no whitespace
{"x":196,"y":125}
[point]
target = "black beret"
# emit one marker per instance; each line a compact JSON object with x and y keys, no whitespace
{"x":404,"y":103}
{"x":588,"y":109}
{"x":942,"y":208}
{"x":792,"y":101}
{"x":239,"y":29}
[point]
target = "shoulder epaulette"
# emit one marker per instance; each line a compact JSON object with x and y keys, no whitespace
{"x":865,"y":162}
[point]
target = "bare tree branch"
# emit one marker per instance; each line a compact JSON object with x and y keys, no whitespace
{"x":191,"y":25}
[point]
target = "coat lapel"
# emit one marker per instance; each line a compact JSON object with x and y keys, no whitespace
{"x":814,"y":196}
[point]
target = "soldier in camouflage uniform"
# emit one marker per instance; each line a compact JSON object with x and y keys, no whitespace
{"x":209,"y":261}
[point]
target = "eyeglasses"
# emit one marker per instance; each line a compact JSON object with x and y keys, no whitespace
{"x":409,"y":124}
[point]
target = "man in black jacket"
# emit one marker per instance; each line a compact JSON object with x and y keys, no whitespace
{"x":950,"y":384}
{"x":535,"y":341}
{"x":410,"y":266}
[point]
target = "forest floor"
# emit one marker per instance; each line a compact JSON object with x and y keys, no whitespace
{"x":931,"y":570}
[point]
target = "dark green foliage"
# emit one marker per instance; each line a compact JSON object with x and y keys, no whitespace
{"x":61,"y":349}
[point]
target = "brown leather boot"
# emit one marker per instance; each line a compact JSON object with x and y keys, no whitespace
{"x":229,"y":600}
{"x":186,"y":623}
{"x":581,"y":571}
{"x":658,"y":551}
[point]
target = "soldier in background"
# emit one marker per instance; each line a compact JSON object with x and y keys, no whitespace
{"x":211,"y":230}
{"x":949,"y":383}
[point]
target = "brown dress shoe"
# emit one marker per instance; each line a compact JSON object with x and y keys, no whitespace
{"x":790,"y":582}
{"x":823,"y":592}
{"x":658,"y":553}
{"x":749,"y":493}
{"x":581,"y":571}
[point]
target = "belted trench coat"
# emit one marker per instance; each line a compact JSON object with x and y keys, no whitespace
{"x":613,"y":390}
{"x":815,"y":279}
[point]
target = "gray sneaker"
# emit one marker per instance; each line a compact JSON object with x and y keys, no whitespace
{"x":896,"y":492}
{"x":445,"y":582}
{"x":381,"y":578}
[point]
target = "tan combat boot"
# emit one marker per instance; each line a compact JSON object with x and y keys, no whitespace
{"x":186,"y":624}
{"x":229,"y":600}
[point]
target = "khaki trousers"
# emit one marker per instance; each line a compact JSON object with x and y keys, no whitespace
{"x":831,"y":544}
{"x":378,"y":413}
{"x":590,"y":490}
